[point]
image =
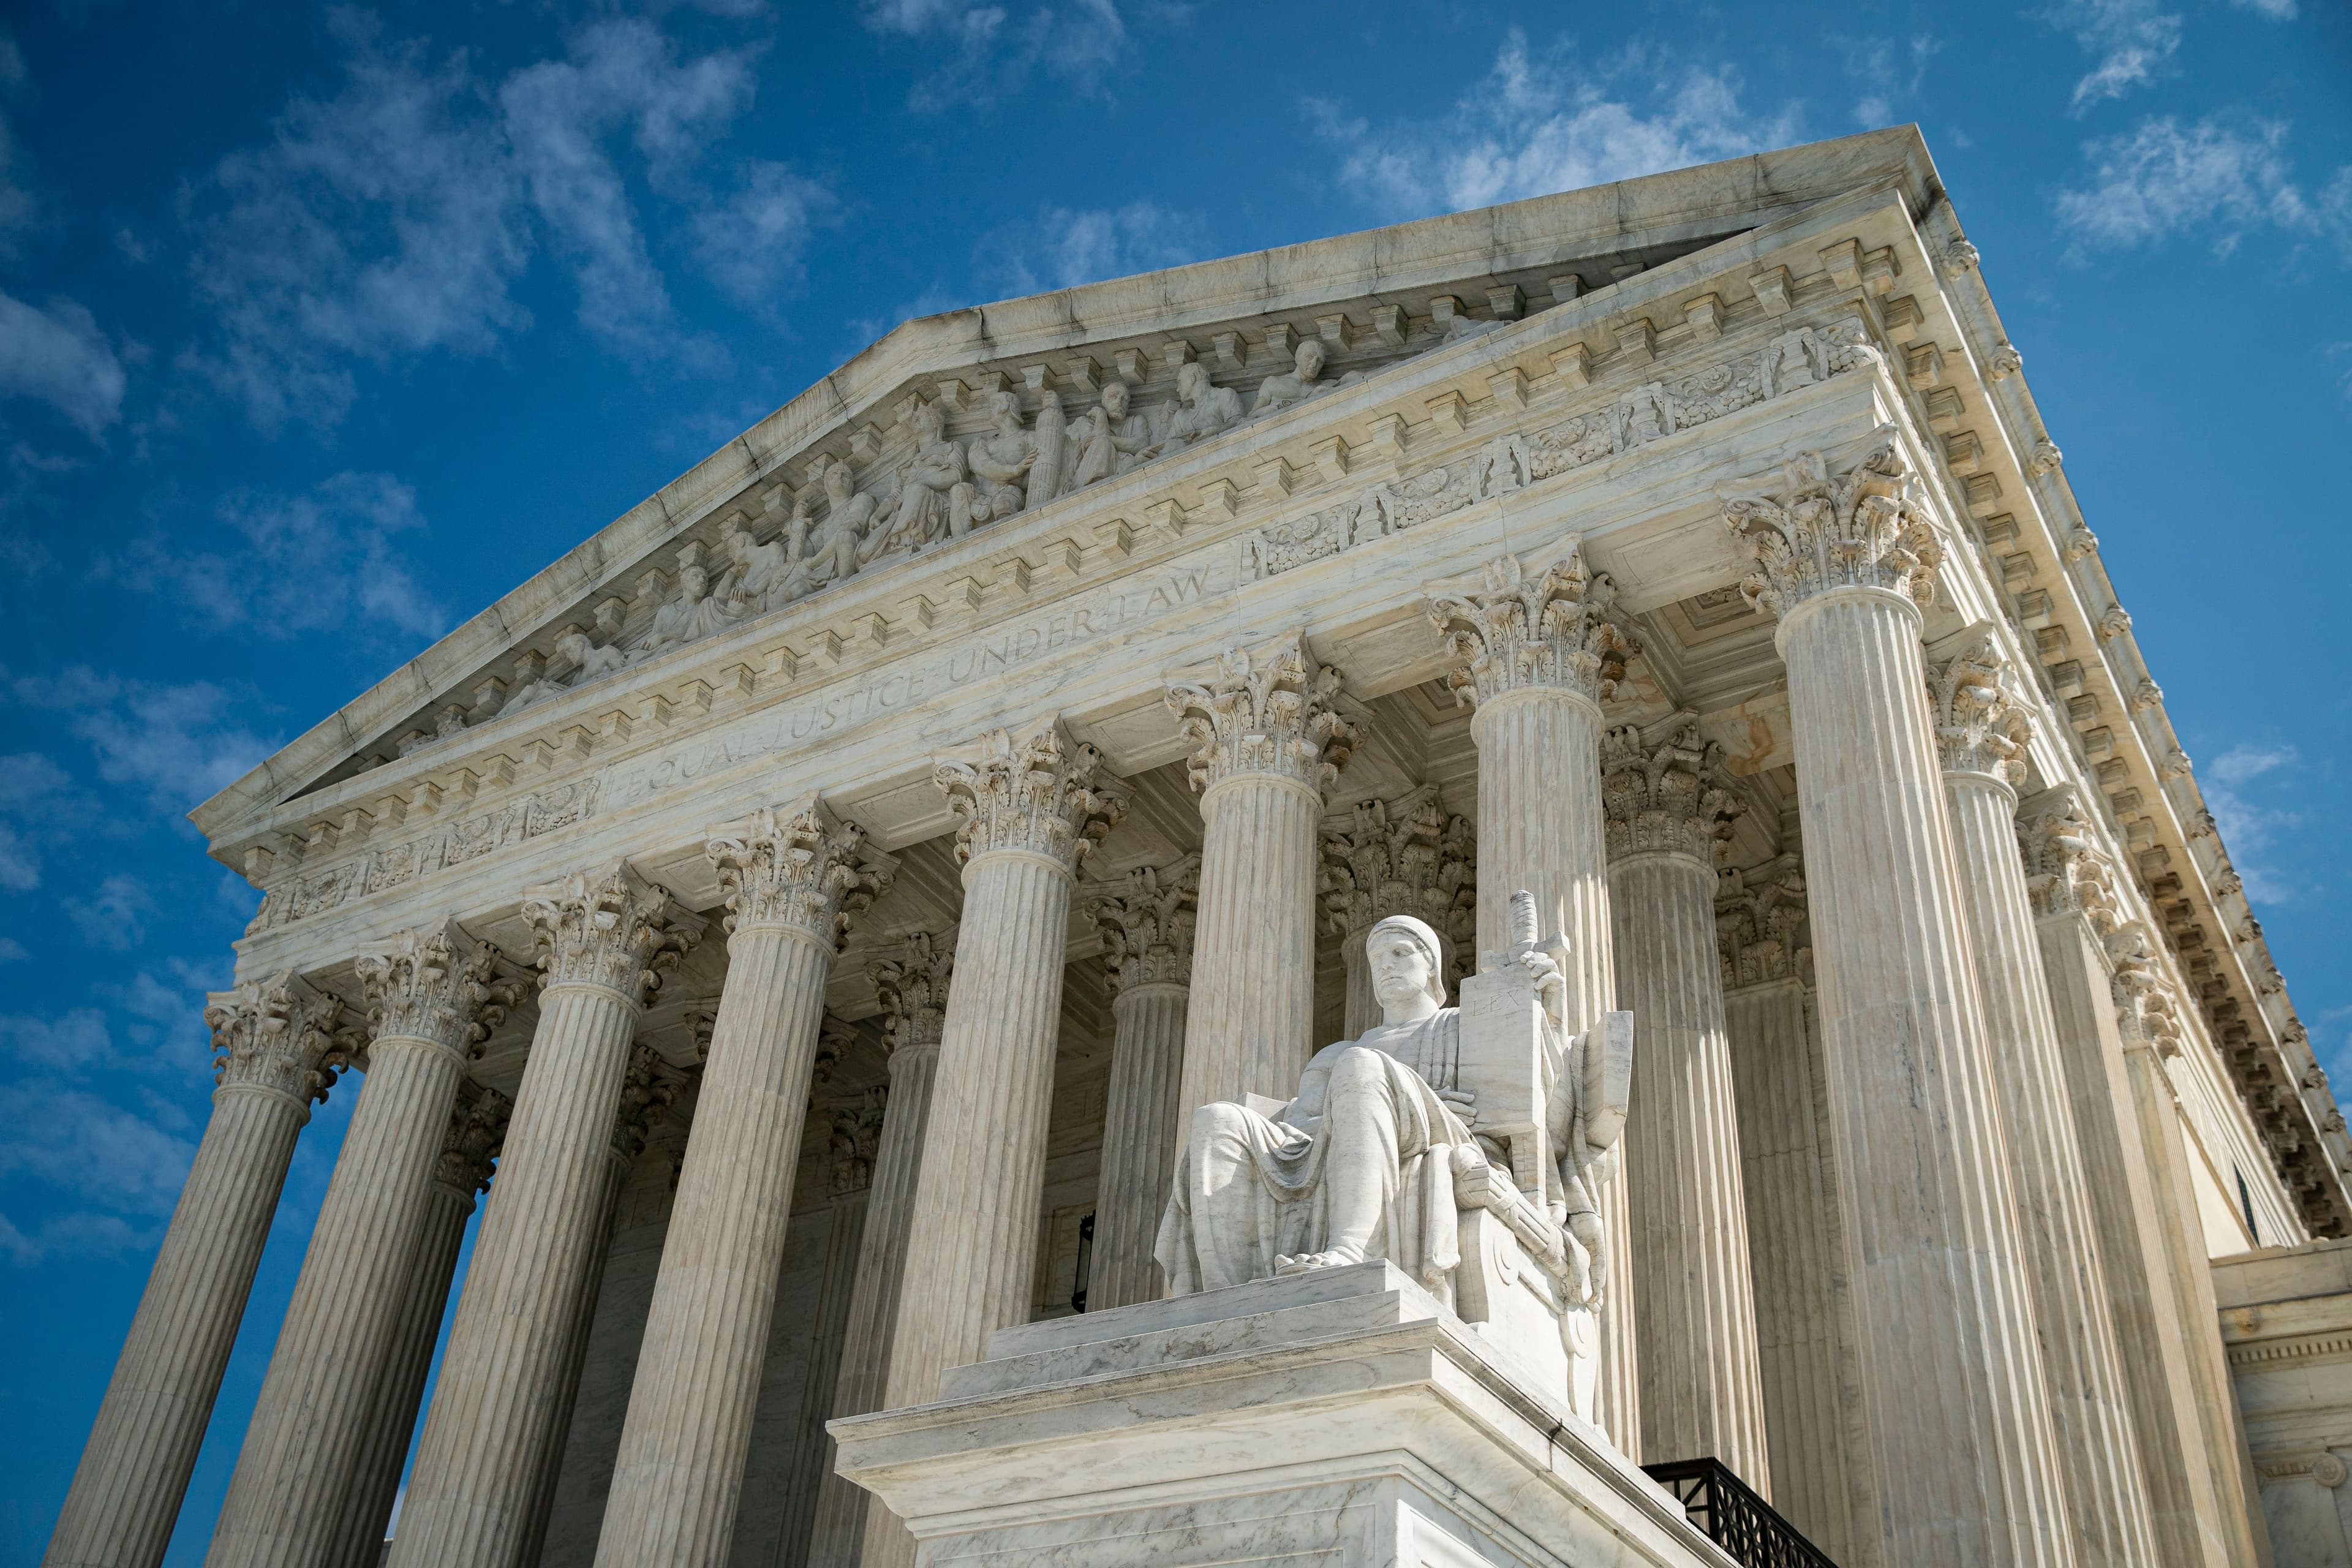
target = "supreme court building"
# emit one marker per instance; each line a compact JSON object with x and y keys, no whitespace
{"x":844,"y":936}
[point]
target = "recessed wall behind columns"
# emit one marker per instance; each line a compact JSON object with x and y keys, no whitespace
{"x":1100,"y":653}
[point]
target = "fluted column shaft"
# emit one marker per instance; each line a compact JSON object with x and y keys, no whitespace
{"x":680,"y":1473}
{"x":487,"y":1435}
{"x":1958,"y":1417}
{"x":1702,"y":1389}
{"x":1251,"y":1023}
{"x":1540,"y":829}
{"x":811,"y":1447}
{"x":2123,"y":1189}
{"x":839,"y":1537}
{"x":1141,"y":1130}
{"x":316,"y":1407}
{"x":400,"y":1387}
{"x":126,"y":1493}
{"x":2097,"y":1445}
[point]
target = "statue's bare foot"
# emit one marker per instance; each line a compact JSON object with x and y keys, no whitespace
{"x":1301,"y":1262}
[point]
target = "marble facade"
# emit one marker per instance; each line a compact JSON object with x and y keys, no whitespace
{"x":919,"y":811}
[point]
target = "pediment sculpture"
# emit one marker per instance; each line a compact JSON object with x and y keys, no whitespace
{"x":1466,"y":1145}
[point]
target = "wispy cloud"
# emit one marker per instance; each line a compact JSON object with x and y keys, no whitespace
{"x":398,"y":215}
{"x":2251,"y":827}
{"x":2223,"y":178}
{"x":993,"y":52}
{"x":752,"y":244}
{"x":1062,"y":248}
{"x":54,"y":354}
{"x":2131,"y":43}
{"x":180,"y":743}
{"x":115,"y":915}
{"x":1537,"y":124}
{"x":278,"y":567}
{"x":1891,"y":73}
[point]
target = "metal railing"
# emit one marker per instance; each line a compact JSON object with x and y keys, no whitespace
{"x":1732,"y":1516}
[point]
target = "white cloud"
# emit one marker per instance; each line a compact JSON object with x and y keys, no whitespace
{"x":2276,"y":10}
{"x":115,"y":916}
{"x":121,"y":1168}
{"x":397,"y":216}
{"x":180,"y":743}
{"x":284,"y":565}
{"x":2251,"y":827}
{"x":1536,"y":125}
{"x":2130,"y":42}
{"x":2222,"y":178}
{"x":1063,"y":246}
{"x":1892,"y":74}
{"x":752,"y":245}
{"x":58,"y":356}
{"x":12,"y":950}
{"x":1078,"y":41}
{"x":73,"y":1041}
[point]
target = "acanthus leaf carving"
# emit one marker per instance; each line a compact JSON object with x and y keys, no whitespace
{"x":1269,"y":710}
{"x":1980,"y":725}
{"x":439,"y":984}
{"x":1147,"y":924}
{"x":798,"y":866}
{"x":1033,"y":790}
{"x":1760,"y":923}
{"x":1516,"y":632}
{"x":1662,"y":789}
{"x":649,"y":1087}
{"x":611,"y":929}
{"x":1408,"y":857}
{"x":912,"y":985}
{"x":478,"y":1131}
{"x":2067,"y":868}
{"x":1866,"y":528}
{"x":277,"y":1034}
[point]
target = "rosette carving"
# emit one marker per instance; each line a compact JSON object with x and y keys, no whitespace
{"x":1865,"y":528}
{"x":1980,"y":726}
{"x":799,"y":867}
{"x":277,"y":1034}
{"x":477,"y":1130}
{"x":1146,"y":925}
{"x":1517,"y":632}
{"x":912,"y":985}
{"x":1032,"y":789}
{"x":610,"y":928}
{"x":1411,"y":858}
{"x":439,"y":984}
{"x":1265,"y":710}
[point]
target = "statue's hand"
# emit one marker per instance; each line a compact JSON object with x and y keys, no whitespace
{"x":1463,"y":1103}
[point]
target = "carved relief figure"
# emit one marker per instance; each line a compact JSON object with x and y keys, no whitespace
{"x":921,"y":515}
{"x":833,"y":551}
{"x":1296,"y":384}
{"x":1000,"y":461}
{"x":1205,"y":410}
{"x":1107,"y":439}
{"x":692,"y":615}
{"x":754,"y":574}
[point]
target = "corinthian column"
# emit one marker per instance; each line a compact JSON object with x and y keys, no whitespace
{"x":2073,"y":886}
{"x":913,"y":986}
{"x":1029,"y":809}
{"x":1410,"y":857}
{"x":1980,"y":732}
{"x":432,"y":995}
{"x":1266,"y":741}
{"x":1953,"y":1398}
{"x":1146,"y":929}
{"x":273,"y":1057}
{"x":478,"y":1125}
{"x":1702,"y":1391}
{"x":1536,"y":656}
{"x":602,"y":940}
{"x":793,"y":880}
{"x":851,"y":1150}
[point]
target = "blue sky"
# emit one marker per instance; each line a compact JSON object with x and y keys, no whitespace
{"x":322,"y":327}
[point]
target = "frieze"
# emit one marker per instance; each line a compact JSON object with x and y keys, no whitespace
{"x":1802,"y":357}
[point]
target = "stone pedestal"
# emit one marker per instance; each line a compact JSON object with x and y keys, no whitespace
{"x":793,"y":880}
{"x":495,"y":1421}
{"x":1940,"y":1298}
{"x":1341,"y":1416}
{"x":273,"y":1045}
{"x":1266,"y":742}
{"x":1029,"y":810}
{"x":1146,"y":931}
{"x":1702,"y":1391}
{"x":1538,"y":655}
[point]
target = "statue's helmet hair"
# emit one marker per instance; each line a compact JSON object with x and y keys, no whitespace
{"x":1426,"y":938}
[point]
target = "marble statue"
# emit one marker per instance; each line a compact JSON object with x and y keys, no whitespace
{"x":1204,"y":409}
{"x":921,"y":513}
{"x":755,"y":574}
{"x":1296,"y":385}
{"x":695,"y":613}
{"x":832,"y":553}
{"x":1107,"y":439}
{"x":1388,"y":1143}
{"x":1000,"y":460}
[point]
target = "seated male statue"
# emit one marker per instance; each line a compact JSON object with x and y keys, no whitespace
{"x":1387,"y":1154}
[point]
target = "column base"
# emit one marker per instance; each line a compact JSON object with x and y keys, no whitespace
{"x":1343,"y":1416}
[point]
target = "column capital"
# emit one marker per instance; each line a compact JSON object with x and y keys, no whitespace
{"x":1032,"y":790}
{"x":649,"y":1087}
{"x":438,"y":983}
{"x":2067,"y":870}
{"x":609,"y":928}
{"x":1406,"y":857}
{"x":1862,"y":528}
{"x":1759,"y":923}
{"x":912,"y":983}
{"x":1981,"y":728}
{"x":857,"y":1131}
{"x":2147,"y":1009}
{"x":277,"y":1034}
{"x":1147,"y":922}
{"x":799,"y":867}
{"x":1661,"y":790}
{"x":1521,"y":633}
{"x":477,"y":1129}
{"x":1265,"y":710}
